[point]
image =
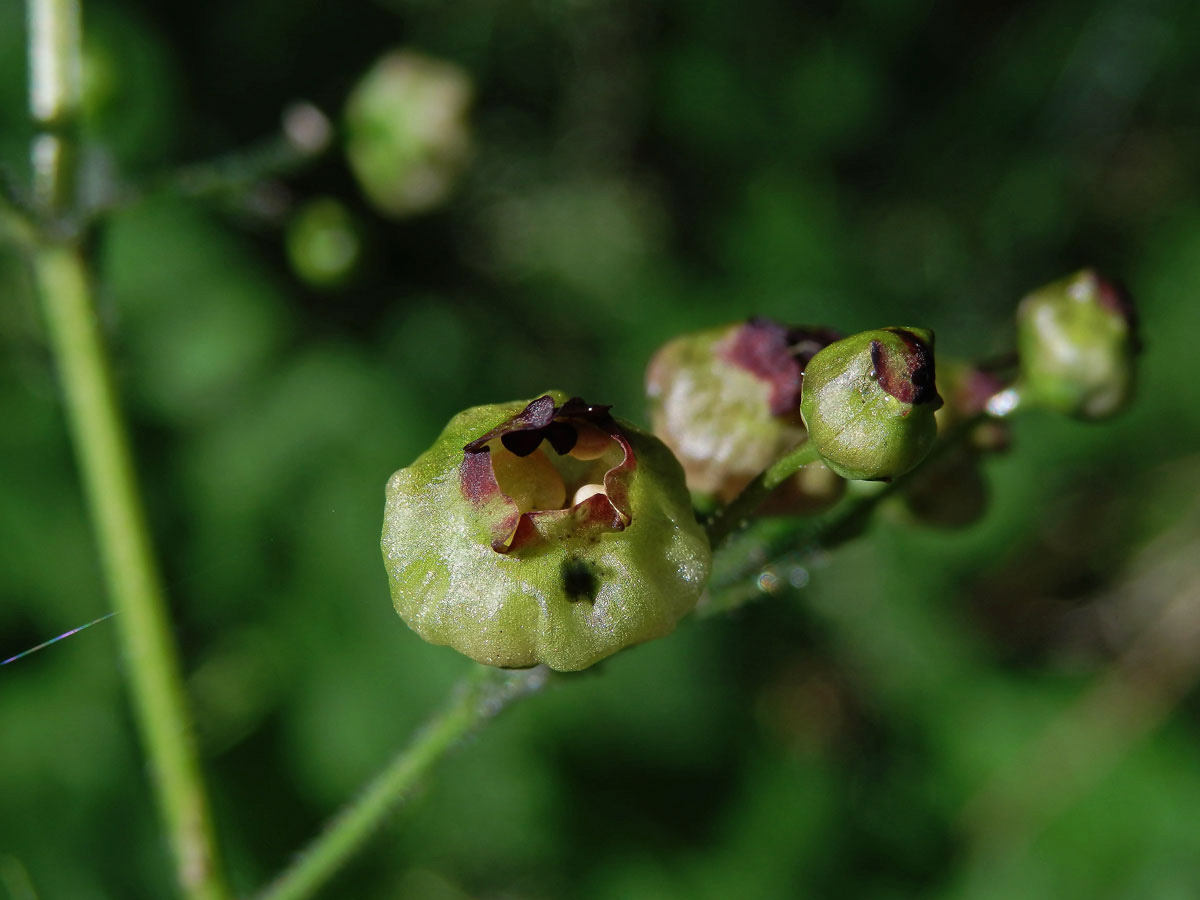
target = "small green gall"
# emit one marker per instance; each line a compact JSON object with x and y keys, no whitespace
{"x":869,"y":402}
{"x":726,"y":401}
{"x":407,"y":137}
{"x":542,"y":531}
{"x":1076,"y":340}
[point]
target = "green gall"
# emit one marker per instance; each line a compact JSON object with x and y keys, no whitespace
{"x":869,"y":400}
{"x":407,"y":138}
{"x":726,"y":401}
{"x":542,"y":531}
{"x":1076,"y":340}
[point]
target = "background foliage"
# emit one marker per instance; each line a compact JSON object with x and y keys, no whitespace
{"x":1003,"y":711}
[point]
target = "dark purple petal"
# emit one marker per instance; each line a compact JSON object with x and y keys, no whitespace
{"x":562,"y":437}
{"x":522,"y":443}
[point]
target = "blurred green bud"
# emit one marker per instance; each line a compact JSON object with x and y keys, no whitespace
{"x":323,"y":243}
{"x":727,"y":402}
{"x":1076,"y":339}
{"x":868,"y":401}
{"x":407,"y":137}
{"x":542,"y":532}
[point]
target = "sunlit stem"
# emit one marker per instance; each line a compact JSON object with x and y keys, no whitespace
{"x":151,"y":665}
{"x":102,"y":447}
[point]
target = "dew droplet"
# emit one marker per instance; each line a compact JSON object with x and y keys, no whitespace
{"x":768,"y":582}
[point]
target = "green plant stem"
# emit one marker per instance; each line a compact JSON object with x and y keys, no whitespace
{"x":843,"y":523}
{"x":55,"y":64}
{"x":472,"y":703}
{"x":15,"y":228}
{"x":306,"y":135}
{"x":732,"y":517}
{"x":151,"y":665}
{"x":102,"y":447}
{"x":848,"y":521}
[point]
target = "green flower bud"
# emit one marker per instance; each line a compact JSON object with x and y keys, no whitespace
{"x":323,"y":243}
{"x":542,"y":532}
{"x":407,"y":138}
{"x":726,"y":401}
{"x":1076,"y":339}
{"x":868,"y":401}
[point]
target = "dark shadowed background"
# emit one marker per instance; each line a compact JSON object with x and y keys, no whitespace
{"x":1007,"y":710}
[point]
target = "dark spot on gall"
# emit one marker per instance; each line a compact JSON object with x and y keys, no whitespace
{"x":579,"y":580}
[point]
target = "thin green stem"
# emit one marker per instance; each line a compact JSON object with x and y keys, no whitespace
{"x":848,"y":520}
{"x":728,"y":520}
{"x":307,"y":133}
{"x":794,"y":545}
{"x":102,"y":447}
{"x":473,"y":703}
{"x":15,"y":227}
{"x":151,"y":664}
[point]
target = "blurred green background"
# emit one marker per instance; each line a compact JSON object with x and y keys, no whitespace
{"x":1004,"y":711}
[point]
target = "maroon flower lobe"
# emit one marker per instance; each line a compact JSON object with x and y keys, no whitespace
{"x":777,"y":354}
{"x":1113,"y":296}
{"x":908,"y":375}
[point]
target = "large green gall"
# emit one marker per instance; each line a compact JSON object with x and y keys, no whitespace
{"x":543,"y":531}
{"x":869,"y":400}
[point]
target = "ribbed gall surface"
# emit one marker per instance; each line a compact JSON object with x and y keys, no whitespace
{"x":512,"y":584}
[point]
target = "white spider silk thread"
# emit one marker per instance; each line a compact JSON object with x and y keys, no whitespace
{"x":54,"y":640}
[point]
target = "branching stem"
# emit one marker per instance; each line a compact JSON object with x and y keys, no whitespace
{"x":845,"y":521}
